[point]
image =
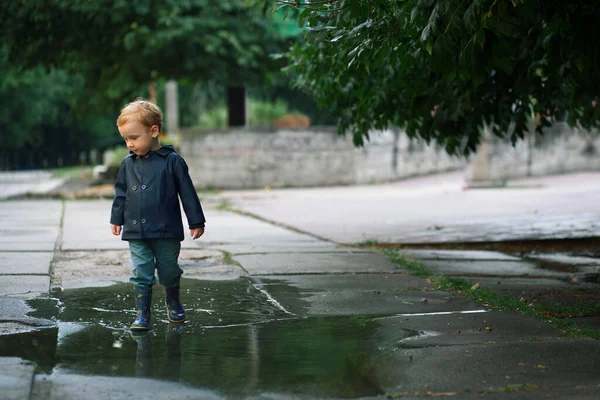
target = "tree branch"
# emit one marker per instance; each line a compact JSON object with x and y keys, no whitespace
{"x":312,"y":3}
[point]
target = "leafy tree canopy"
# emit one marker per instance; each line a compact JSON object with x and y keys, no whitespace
{"x":441,"y":68}
{"x":117,"y":45}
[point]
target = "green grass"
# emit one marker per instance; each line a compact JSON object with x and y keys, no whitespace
{"x":228,"y":259}
{"x":367,"y":243}
{"x":224,"y":206}
{"x":71,"y":172}
{"x":553,"y":314}
{"x":414,"y":267}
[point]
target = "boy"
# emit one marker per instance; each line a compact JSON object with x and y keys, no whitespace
{"x":146,"y":205}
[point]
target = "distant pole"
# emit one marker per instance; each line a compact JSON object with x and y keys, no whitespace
{"x":172,"y":108}
{"x":152,"y":88}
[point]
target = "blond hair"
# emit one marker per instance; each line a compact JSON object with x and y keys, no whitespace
{"x":143,"y":111}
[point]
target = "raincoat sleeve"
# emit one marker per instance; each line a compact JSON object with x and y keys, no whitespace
{"x":117,"y":215}
{"x":187,"y":193}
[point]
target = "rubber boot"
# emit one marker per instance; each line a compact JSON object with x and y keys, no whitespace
{"x":143,"y":300}
{"x":175,"y":311}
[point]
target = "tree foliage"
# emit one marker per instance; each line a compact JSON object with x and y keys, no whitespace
{"x":443,"y":68}
{"x":117,"y":45}
{"x":38,"y":124}
{"x":67,"y":66}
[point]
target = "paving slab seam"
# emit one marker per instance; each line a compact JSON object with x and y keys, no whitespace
{"x":262,"y":253}
{"x":281,"y":225}
{"x":262,"y":274}
{"x":24,"y":274}
{"x":58,"y":244}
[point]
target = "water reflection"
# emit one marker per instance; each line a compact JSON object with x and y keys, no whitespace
{"x":144,"y":363}
{"x":38,"y":346}
{"x":236,"y":342}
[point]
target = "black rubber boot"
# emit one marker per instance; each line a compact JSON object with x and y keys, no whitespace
{"x":143,"y":300}
{"x":175,"y":311}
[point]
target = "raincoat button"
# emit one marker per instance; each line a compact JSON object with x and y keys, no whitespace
{"x":143,"y":187}
{"x":134,"y":221}
{"x":143,"y":221}
{"x":134,"y":188}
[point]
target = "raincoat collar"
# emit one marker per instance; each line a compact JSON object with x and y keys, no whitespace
{"x":163,"y":151}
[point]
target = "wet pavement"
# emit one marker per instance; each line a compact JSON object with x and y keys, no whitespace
{"x":275,"y":314}
{"x":435,"y":209}
{"x":20,"y":183}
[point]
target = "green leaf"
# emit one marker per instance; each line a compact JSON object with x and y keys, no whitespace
{"x":480,"y":38}
{"x":429,"y":46}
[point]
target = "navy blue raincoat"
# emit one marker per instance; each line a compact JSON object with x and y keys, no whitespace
{"x":147,"y":195}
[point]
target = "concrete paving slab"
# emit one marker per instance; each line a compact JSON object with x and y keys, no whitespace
{"x":75,"y":387}
{"x":566,"y":259}
{"x":306,"y":263}
{"x":76,"y":269}
{"x":87,"y":226}
{"x":20,"y":183}
{"x":25,"y":263}
{"x":237,"y":234}
{"x":384,"y":302}
{"x":462,"y":329}
{"x":23,"y":324}
{"x":458,"y":255}
{"x":435,"y":209}
{"x":491,"y":268}
{"x":555,"y":364}
{"x":351,"y":282}
{"x":16,"y":376}
{"x":24,"y":286}
{"x":351,"y":295}
{"x":280,"y":248}
{"x":29,"y":225}
{"x":213,"y":273}
{"x":13,"y":307}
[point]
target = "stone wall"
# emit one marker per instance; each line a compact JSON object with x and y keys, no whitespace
{"x":317,"y":156}
{"x":559,"y":150}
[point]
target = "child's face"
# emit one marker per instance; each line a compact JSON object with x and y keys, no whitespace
{"x":139,"y":138}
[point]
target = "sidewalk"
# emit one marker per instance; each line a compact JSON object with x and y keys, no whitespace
{"x":13,"y":184}
{"x":435,"y":209}
{"x":283,"y":294}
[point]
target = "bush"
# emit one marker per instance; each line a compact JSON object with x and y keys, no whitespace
{"x":263,"y":114}
{"x":260,"y":113}
{"x":213,"y":118}
{"x":114,"y":156}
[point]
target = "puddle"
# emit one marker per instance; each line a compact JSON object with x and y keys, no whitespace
{"x":238,"y":341}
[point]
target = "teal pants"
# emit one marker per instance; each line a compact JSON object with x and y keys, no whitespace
{"x":161,"y":255}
